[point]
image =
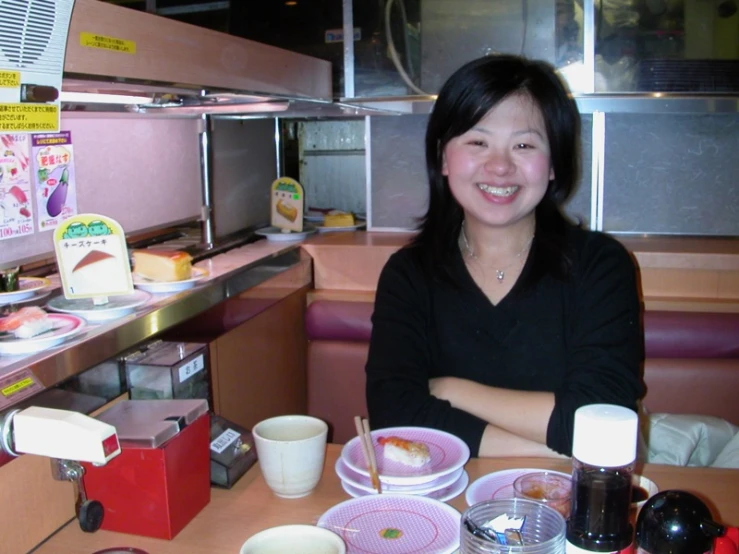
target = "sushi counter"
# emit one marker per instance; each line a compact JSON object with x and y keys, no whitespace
{"x":232,"y":516}
{"x":32,"y":365}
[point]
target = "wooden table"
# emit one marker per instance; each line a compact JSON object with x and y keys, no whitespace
{"x":234,"y":515}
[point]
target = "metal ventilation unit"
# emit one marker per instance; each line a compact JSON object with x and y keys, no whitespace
{"x":33,"y":40}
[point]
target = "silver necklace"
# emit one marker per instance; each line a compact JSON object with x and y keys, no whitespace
{"x":499,"y":273}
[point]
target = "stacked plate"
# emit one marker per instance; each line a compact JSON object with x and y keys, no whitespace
{"x":442,"y":478}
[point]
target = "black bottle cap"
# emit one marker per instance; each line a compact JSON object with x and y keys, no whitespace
{"x":670,"y":522}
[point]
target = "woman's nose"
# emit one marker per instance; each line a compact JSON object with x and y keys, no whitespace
{"x":499,"y":163}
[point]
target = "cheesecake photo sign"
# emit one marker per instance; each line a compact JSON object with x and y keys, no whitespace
{"x":287,"y":201}
{"x":92,"y":257}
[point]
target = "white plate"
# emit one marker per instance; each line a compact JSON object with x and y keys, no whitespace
{"x":322,"y":229}
{"x":63,"y":327}
{"x":363,"y":483}
{"x":498,"y":484}
{"x":168,"y":286}
{"x":394,"y":524}
{"x":117,"y":306}
{"x":448,"y":454}
{"x":275,"y":234}
{"x":442,"y":495}
{"x":27,"y":287}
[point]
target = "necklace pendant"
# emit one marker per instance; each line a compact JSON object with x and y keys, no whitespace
{"x":499,"y":275}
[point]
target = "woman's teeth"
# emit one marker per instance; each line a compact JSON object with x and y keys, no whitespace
{"x":498,"y":191}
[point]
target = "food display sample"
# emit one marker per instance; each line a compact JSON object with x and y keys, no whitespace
{"x":162,"y":265}
{"x":285,"y":210}
{"x":337,"y":218}
{"x":410,"y":453}
{"x":26,"y":323}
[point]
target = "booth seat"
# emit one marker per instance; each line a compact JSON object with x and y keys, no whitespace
{"x":691,"y":365}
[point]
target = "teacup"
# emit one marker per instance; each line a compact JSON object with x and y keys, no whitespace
{"x":291,"y":450}
{"x":305,"y":539}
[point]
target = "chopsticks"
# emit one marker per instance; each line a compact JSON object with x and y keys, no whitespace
{"x":365,"y":439}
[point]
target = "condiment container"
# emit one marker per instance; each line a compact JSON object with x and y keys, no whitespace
{"x":603,"y":456}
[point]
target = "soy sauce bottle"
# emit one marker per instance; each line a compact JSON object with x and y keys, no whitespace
{"x":603,"y":458}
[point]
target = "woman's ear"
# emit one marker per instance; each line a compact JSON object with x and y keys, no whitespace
{"x":444,"y":168}
{"x":551,"y":173}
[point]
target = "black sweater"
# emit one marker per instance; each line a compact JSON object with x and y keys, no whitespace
{"x":580,"y":339}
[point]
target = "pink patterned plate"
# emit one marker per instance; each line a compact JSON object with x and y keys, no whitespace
{"x":394,"y":524}
{"x":498,"y":484}
{"x":63,"y":327}
{"x":448,"y":454}
{"x":363,"y":483}
{"x":442,"y":495}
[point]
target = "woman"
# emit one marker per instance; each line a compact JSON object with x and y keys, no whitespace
{"x":501,"y":318}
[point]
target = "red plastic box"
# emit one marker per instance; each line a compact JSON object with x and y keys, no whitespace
{"x":161,"y":480}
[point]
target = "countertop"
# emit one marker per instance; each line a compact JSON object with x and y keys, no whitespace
{"x":249,"y":507}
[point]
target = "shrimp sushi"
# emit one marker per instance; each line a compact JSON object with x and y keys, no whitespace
{"x":26,"y":323}
{"x":410,"y":453}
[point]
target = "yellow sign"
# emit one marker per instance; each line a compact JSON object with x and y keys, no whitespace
{"x":91,"y":40}
{"x":10,"y":79}
{"x":34,"y":118}
{"x":15,"y":387}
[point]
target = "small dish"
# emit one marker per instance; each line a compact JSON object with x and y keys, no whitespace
{"x":27,"y":287}
{"x":498,"y":485}
{"x":642,"y":489}
{"x":160,"y":287}
{"x":442,"y":495}
{"x":448,"y":454}
{"x":361,"y":482}
{"x":64,"y":326}
{"x":355,"y":227}
{"x":294,"y":538}
{"x":117,"y":306}
{"x":394,"y":523}
{"x":275,"y":234}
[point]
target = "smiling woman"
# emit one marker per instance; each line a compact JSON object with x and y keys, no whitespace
{"x":501,"y":318}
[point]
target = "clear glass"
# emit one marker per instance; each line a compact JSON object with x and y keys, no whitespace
{"x":543,"y":531}
{"x":546,"y":487}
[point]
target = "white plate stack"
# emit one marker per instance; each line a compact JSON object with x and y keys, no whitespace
{"x":442,"y":478}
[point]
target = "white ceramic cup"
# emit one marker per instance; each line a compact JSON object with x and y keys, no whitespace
{"x":291,"y":450}
{"x":305,"y":539}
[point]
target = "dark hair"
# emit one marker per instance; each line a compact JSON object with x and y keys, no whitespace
{"x":463,"y":101}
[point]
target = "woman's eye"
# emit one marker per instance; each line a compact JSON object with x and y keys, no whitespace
{"x":523,"y":146}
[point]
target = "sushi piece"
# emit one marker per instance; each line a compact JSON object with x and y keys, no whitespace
{"x":410,"y":453}
{"x":26,"y":323}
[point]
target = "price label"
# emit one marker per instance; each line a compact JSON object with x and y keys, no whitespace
{"x":14,"y":388}
{"x":224,"y":440}
{"x":191,"y":368}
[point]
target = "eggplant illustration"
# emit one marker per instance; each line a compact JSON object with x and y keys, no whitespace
{"x":59,"y":196}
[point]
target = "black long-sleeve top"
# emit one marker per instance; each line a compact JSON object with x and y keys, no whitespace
{"x":579,"y":338}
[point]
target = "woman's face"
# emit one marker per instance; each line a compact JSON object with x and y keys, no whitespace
{"x":499,"y":169}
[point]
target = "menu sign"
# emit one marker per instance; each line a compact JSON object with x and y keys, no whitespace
{"x":92,"y":257}
{"x":54,"y":179}
{"x":16,"y":209}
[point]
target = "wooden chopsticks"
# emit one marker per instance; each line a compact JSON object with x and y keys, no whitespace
{"x":365,"y":439}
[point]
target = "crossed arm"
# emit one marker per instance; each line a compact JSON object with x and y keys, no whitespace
{"x":517,"y":420}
